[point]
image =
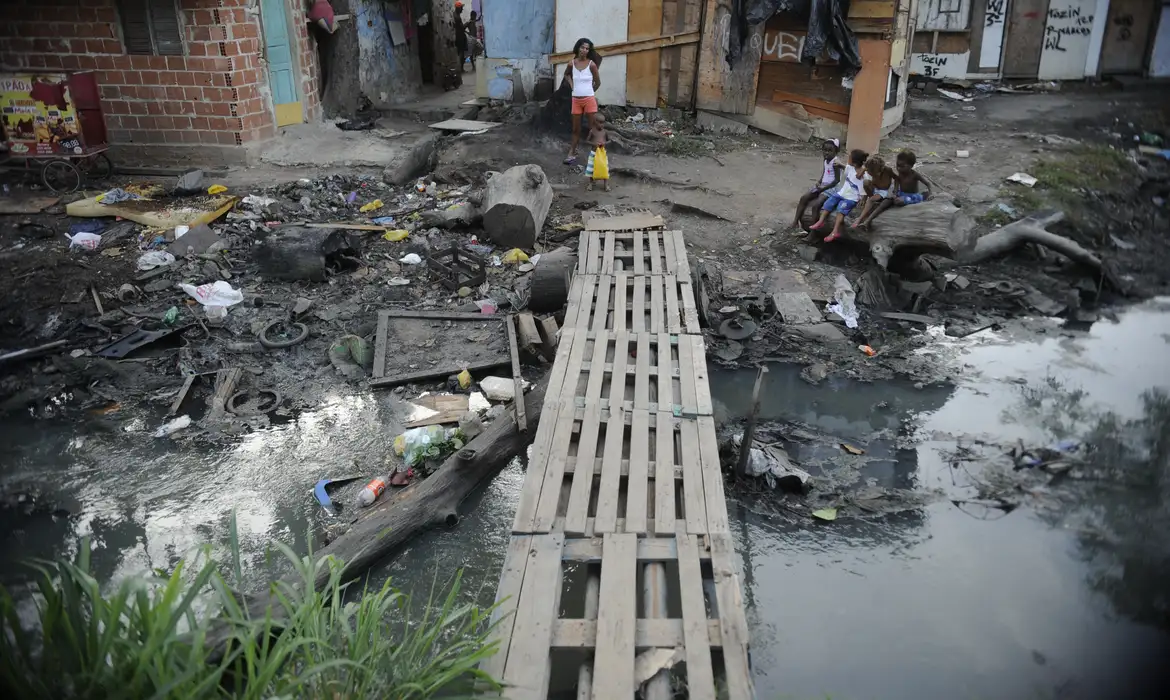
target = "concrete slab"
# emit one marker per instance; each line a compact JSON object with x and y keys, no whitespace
{"x":463,"y":125}
{"x":796,"y":307}
{"x":709,"y":121}
{"x":401,"y":149}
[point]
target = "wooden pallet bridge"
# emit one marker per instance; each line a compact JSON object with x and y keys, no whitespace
{"x":619,"y":577}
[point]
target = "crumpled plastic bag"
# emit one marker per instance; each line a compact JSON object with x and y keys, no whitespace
{"x":396,"y":235}
{"x":116,"y":195}
{"x":155,"y":258}
{"x":376,"y":204}
{"x":411,"y":259}
{"x":430,"y":442}
{"x":844,"y":301}
{"x":218,"y":293}
{"x":515,"y":257}
{"x":216,"y":189}
{"x":85,"y":240}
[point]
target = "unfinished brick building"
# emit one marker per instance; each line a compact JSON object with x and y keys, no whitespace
{"x":182,"y":81}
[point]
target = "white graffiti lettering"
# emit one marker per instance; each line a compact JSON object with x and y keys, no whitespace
{"x":783,"y":46}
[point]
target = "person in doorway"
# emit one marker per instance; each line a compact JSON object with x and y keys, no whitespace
{"x":474,"y":45}
{"x":843,"y":200}
{"x":583,"y":77}
{"x":460,"y":35}
{"x":831,"y":170}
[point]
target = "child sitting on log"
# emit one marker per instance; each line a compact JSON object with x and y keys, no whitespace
{"x":830,"y":177}
{"x":843,"y":200}
{"x":907,"y":181}
{"x":879,"y":189}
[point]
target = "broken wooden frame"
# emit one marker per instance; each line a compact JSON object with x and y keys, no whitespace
{"x":391,"y":366}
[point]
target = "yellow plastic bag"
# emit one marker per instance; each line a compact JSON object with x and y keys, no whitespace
{"x":396,"y":235}
{"x":515,"y":257}
{"x":600,"y":164}
{"x":216,"y":189}
{"x":464,"y":379}
{"x":376,"y":204}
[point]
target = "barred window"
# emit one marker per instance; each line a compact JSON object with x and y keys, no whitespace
{"x":151,"y":27}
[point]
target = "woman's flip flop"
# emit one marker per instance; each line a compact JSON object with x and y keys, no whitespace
{"x":570,"y":160}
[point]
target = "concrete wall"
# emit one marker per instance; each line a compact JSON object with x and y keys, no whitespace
{"x":388,"y":74}
{"x":518,"y":28}
{"x":605,"y":22}
{"x":201,"y":107}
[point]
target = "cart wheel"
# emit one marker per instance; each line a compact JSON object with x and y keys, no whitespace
{"x":97,"y":167}
{"x":61,"y":176}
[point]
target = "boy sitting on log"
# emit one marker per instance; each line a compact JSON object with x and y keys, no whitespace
{"x":906,"y":180}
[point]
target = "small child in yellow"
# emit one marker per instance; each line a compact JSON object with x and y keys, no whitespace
{"x":598,"y":168}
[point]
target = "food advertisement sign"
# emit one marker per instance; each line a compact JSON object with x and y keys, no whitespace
{"x":38,"y":116}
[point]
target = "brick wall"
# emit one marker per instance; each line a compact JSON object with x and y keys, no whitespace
{"x":206,"y":106}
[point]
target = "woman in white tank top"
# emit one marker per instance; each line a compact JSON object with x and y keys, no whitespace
{"x":583,"y":77}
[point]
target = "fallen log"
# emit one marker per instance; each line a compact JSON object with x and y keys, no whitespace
{"x":515,"y":204}
{"x":551,"y":280}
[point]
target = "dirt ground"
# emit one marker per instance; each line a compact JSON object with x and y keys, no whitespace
{"x":734,"y":208}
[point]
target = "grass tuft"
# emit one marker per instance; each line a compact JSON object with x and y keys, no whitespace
{"x":150,"y":638}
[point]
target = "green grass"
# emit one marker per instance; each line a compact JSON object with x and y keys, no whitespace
{"x":150,"y":637}
{"x":1089,"y":167}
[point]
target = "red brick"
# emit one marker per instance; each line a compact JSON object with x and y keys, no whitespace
{"x":200,"y":123}
{"x":150,"y":77}
{"x":117,"y":107}
{"x":154,"y":108}
{"x":111,"y":46}
{"x":70,"y":62}
{"x":172,"y":137}
{"x":196,"y":48}
{"x":158,"y":62}
{"x":176,"y":63}
{"x":226,"y":138}
{"x":168,"y":77}
{"x":200,"y":34}
{"x":189,"y":136}
{"x":137,"y":108}
{"x":87,"y":63}
{"x":192,"y":94}
{"x":174,"y":93}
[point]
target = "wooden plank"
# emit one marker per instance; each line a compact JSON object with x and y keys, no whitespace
{"x":608,"y":490}
{"x":690,"y":318}
{"x":607,"y":254}
{"x":645,"y":22}
{"x":664,"y":486}
{"x":694,"y":499}
{"x":712,"y":476}
{"x":648,"y":633}
{"x":732,"y":621}
{"x":639,"y":263}
{"x":593,"y":262}
{"x":655,"y":261}
{"x":669,"y":252}
{"x":571,"y":465}
{"x":631,"y":47}
{"x":867,"y":105}
{"x":601,"y":307}
{"x":673,"y":320}
{"x":463,"y":125}
{"x":638,"y":305}
{"x":527,"y":668}
{"x":613,"y":658}
{"x":626,"y":222}
{"x":379,"y":368}
{"x":517,"y":378}
{"x":697,"y":642}
{"x":686,"y":374}
{"x":656,"y":325}
{"x":665,"y":395}
{"x":577,"y":512}
{"x":619,"y":302}
{"x":554,"y":473}
{"x":864,"y":9}
{"x":723,"y":88}
{"x":680,"y":255}
{"x":182,"y":395}
{"x":703,"y":405}
{"x":507,"y":598}
{"x":642,"y":373}
{"x":588,"y":286}
{"x":583,"y":251}
{"x":435,"y":409}
{"x":636,"y":484}
{"x":650,"y":549}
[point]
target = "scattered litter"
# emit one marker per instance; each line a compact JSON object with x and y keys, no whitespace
{"x":969,"y":108}
{"x":322,"y":493}
{"x":372,"y":491}
{"x":435,"y":409}
{"x":411,"y":259}
{"x":351,"y":197}
{"x":963,"y":154}
{"x":728,"y":309}
{"x":257,"y":201}
{"x":486,"y":306}
{"x":1022,"y":178}
{"x":374,"y":205}
{"x":397,"y":281}
{"x":116,"y":195}
{"x":218,"y":293}
{"x":476,"y":402}
{"x":464,"y":379}
{"x":173,"y":426}
{"x":515,"y":256}
{"x":430,"y":442}
{"x":396,"y":235}
{"x":383,"y":220}
{"x":181,"y":230}
{"x":851,"y":449}
{"x":870,"y":352}
{"x":155,"y":258}
{"x":954,"y":95}
{"x":216,"y":189}
{"x":86,"y":241}
{"x":844,"y":302}
{"x":1121,"y":244}
{"x":1006,"y":209}
{"x":827,"y":513}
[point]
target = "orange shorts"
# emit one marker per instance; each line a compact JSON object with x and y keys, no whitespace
{"x":584,"y":105}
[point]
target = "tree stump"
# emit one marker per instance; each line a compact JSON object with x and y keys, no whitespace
{"x":515,"y":204}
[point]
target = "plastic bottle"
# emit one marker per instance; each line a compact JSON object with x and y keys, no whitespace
{"x":372,"y":491}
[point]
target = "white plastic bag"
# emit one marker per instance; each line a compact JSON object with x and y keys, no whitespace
{"x":155,"y":258}
{"x":172,"y":427}
{"x":88,"y":241}
{"x":219,"y":293}
{"x":418,"y":444}
{"x":844,"y":301}
{"x":411,"y":259}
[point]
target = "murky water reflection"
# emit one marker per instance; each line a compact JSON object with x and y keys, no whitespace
{"x":934,"y":602}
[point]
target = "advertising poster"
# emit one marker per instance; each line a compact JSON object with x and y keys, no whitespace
{"x":37,"y":115}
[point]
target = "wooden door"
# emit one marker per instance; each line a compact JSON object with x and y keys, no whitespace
{"x":1127,"y":36}
{"x":281,"y":68}
{"x":1025,"y":38}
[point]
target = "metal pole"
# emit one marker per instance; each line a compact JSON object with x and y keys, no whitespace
{"x":749,"y":432}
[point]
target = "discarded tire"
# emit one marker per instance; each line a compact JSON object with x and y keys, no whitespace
{"x":237,"y":404}
{"x":276,"y":344}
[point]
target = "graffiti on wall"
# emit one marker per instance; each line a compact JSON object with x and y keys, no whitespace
{"x":994,"y":20}
{"x":940,"y":65}
{"x":783,"y":46}
{"x":1066,"y":22}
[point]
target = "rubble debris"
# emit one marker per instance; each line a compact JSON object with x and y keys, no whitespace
{"x":463,"y":125}
{"x":280,"y":334}
{"x":198,"y":240}
{"x":515,"y":204}
{"x":133,"y":341}
{"x":352,"y":356}
{"x":251,"y":402}
{"x":456,"y":268}
{"x":796,"y":307}
{"x":453,"y":341}
{"x":737,"y":328}
{"x":1023,"y":179}
{"x":190,"y":183}
{"x":304,"y":253}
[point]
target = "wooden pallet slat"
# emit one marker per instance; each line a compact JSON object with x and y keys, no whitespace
{"x":673,"y":320}
{"x":700,"y":676}
{"x":577,"y":511}
{"x":703,"y":402}
{"x":607,"y":254}
{"x":655,"y":262}
{"x":642,"y":373}
{"x":507,"y":598}
{"x":638,"y":306}
{"x":608,"y":490}
{"x":712,"y":476}
{"x":656,"y":308}
{"x":639,"y":262}
{"x":664,"y":486}
{"x":665,"y":372}
{"x":527,"y":668}
{"x":694,"y":507}
{"x":732,"y":620}
{"x":613,"y":657}
{"x":637,"y":482}
{"x":619,"y":302}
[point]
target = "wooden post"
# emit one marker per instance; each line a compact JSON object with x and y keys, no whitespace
{"x":517,"y":378}
{"x":745,"y":445}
